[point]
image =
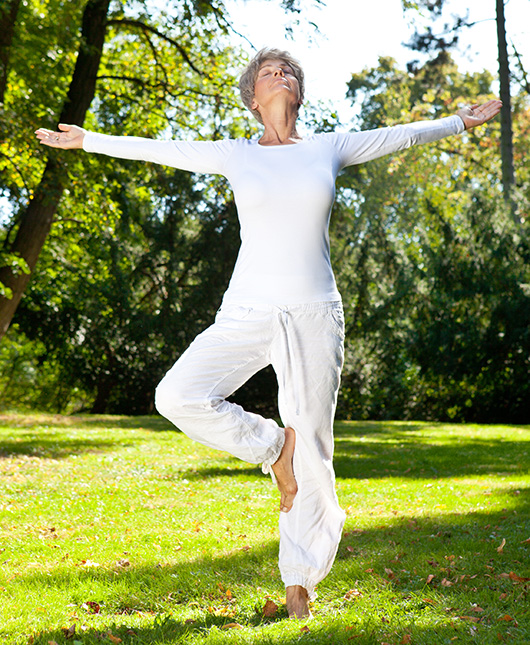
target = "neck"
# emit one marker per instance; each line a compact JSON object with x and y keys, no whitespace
{"x":280,"y":128}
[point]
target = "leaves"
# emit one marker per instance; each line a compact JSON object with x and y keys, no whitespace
{"x":352,"y":594}
{"x":270,"y":609}
{"x":92,"y":607}
{"x":69,"y":632}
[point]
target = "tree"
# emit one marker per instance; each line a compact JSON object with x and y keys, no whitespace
{"x":508,"y":173}
{"x":430,"y":265}
{"x":128,"y":275}
{"x":8,"y":15}
{"x":442,"y":43}
{"x":37,"y":219}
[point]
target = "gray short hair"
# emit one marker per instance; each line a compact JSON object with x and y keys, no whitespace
{"x":249,"y":76}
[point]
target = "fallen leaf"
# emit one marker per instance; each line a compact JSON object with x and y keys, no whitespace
{"x":123,"y":563}
{"x":228,"y":594}
{"x":506,"y":618}
{"x":69,"y":632}
{"x":88,"y":563}
{"x":350,"y":549}
{"x":446,"y":583}
{"x":305,"y":629}
{"x":389,"y":573}
{"x":113,"y":639}
{"x":189,"y":621}
{"x":513,"y":576}
{"x":91,"y":606}
{"x":232,"y":626}
{"x":430,"y":578}
{"x":353,"y":593}
{"x":478,"y":610}
{"x":269,"y":609}
{"x":501,"y":547}
{"x":406,"y":640}
{"x":471,"y":619}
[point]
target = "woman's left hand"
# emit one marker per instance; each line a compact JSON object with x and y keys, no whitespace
{"x":479,"y":114}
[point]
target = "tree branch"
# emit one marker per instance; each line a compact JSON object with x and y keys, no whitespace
{"x":525,"y":82}
{"x":129,"y":22}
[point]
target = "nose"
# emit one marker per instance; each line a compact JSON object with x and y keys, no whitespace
{"x":279,"y":72}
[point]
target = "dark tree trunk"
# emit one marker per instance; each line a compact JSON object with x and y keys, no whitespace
{"x":8,"y":17}
{"x":37,"y":219}
{"x":508,"y":174}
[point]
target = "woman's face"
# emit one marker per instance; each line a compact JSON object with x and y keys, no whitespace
{"x":275,"y":78}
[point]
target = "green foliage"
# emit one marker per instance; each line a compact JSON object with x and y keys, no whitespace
{"x":433,"y":270}
{"x":138,"y":256}
{"x":16,"y":263}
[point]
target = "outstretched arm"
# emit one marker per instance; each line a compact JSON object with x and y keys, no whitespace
{"x":68,"y":137}
{"x":479,"y":114}
{"x":194,"y":156}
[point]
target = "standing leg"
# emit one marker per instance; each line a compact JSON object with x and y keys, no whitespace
{"x":307,"y":356}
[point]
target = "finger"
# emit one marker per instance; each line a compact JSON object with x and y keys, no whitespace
{"x":43,"y":132}
{"x":48,"y":137}
{"x":65,"y":127}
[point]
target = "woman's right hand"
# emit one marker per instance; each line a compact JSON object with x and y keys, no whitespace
{"x":68,"y":137}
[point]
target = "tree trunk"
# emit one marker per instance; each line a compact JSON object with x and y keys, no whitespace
{"x":8,"y":16}
{"x":37,"y":219}
{"x":508,"y":174}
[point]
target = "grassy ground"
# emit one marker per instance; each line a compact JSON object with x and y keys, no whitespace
{"x":117,"y":529}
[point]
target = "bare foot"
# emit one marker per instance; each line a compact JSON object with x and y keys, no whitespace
{"x":284,"y":473}
{"x":297,"y":602}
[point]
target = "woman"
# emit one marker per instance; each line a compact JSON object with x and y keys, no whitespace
{"x":282,"y":306}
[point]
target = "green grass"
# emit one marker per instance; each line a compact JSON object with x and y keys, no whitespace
{"x":126,"y":530}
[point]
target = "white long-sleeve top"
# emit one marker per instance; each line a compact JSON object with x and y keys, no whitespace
{"x":283,"y":195}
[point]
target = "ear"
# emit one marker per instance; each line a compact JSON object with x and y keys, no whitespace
{"x":254,"y":105}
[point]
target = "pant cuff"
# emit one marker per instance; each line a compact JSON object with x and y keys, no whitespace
{"x":274,"y":453}
{"x":297,"y":579}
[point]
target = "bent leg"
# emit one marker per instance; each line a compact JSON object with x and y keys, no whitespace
{"x":309,"y":381}
{"x":193,"y":393}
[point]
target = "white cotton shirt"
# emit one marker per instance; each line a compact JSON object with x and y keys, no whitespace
{"x":283,"y":195}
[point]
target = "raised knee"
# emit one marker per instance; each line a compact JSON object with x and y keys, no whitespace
{"x":175,"y":398}
{"x":169,"y":398}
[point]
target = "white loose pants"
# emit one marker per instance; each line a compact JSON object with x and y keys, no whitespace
{"x":304,"y":344}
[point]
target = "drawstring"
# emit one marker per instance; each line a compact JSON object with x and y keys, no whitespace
{"x":283,"y":317}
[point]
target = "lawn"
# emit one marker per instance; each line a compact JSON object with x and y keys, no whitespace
{"x":121,"y":530}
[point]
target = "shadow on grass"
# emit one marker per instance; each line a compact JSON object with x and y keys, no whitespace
{"x":401,"y":454}
{"x":232,"y":470}
{"x":59,"y":436}
{"x":102,"y":421}
{"x":388,"y":565}
{"x":393,"y":449}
